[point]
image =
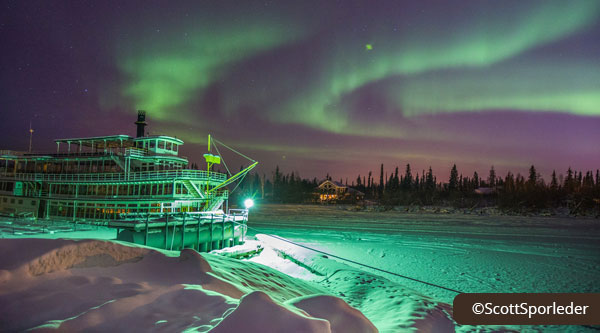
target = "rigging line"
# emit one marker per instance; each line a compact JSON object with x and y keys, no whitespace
{"x":239,"y":182}
{"x":222,"y":159}
{"x":235,"y":151}
{"x":365,"y":265}
{"x":359,"y":263}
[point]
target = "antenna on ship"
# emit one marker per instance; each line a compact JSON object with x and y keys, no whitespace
{"x":30,"y":136}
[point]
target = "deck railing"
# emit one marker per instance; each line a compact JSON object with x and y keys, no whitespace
{"x":136,"y":152}
{"x":197,"y":175}
{"x":129,"y":152}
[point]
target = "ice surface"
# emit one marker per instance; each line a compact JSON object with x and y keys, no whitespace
{"x":464,"y":252}
{"x":389,"y":305}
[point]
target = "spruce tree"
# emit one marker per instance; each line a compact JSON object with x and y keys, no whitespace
{"x":569,"y":181}
{"x":380,"y":188}
{"x":396,"y":181}
{"x":475,"y":180}
{"x":408,"y":179}
{"x":492,"y":178}
{"x":429,"y":181}
{"x":509,"y":182}
{"x":533,"y":177}
{"x":554,"y":181}
{"x":453,"y":182}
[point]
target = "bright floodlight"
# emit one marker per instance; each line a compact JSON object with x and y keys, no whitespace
{"x":248,"y":203}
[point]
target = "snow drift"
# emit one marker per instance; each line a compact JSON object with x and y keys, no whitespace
{"x":391,"y":307}
{"x":93,"y":285}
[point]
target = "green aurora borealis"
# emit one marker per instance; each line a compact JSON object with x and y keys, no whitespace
{"x":319,"y":87}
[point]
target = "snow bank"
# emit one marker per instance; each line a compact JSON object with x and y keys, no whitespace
{"x":93,"y":285}
{"x":390,"y":306}
{"x":257,"y":312}
{"x":341,"y":316}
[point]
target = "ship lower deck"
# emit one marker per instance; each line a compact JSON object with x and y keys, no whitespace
{"x":95,"y":209}
{"x":201,"y":231}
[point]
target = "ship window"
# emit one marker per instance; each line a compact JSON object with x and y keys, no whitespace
{"x":20,"y":201}
{"x":152,"y":144}
{"x":12,"y":201}
{"x":169,"y":146}
{"x":33,"y":202}
{"x":161,"y":144}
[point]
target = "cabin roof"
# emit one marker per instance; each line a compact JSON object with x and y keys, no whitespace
{"x":115,"y":141}
{"x":337,"y":184}
{"x":109,"y":141}
{"x":163,"y":137}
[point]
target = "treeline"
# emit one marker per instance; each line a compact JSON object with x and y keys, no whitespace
{"x":279,"y":188}
{"x":577,"y":191}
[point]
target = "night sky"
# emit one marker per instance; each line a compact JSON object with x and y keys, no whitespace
{"x":315,"y":87}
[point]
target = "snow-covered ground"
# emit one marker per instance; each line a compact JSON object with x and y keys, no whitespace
{"x":49,"y":285}
{"x":10,"y":228}
{"x":466,"y":253}
{"x":463,"y":252}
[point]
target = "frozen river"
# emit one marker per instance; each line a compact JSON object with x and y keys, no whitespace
{"x":462,"y":252}
{"x":467,"y":253}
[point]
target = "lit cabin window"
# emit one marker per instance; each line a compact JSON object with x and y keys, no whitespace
{"x":161,"y":144}
{"x":169,"y":146}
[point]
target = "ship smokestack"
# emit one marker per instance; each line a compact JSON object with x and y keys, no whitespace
{"x":141,"y":123}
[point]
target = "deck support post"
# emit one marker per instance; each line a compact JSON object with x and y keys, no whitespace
{"x":183,"y":233}
{"x":198,"y":234}
{"x":223,"y":232}
{"x":146,"y":230}
{"x":233,"y":241}
{"x":167,"y":231}
{"x":210,"y":240}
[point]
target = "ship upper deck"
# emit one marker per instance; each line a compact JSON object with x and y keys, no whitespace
{"x":148,"y":148}
{"x":120,"y":177}
{"x":144,"y":146}
{"x":116,"y":141}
